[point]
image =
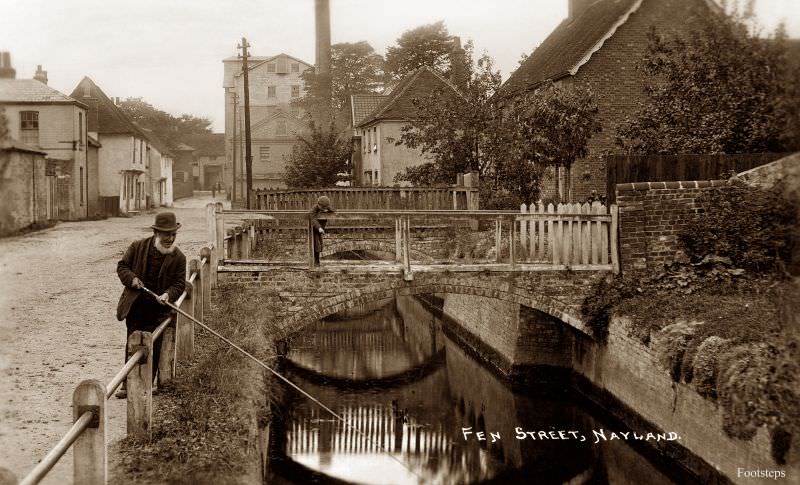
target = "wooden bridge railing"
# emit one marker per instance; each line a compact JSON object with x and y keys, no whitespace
{"x":365,"y":198}
{"x":568,"y":236}
{"x":87,"y":436}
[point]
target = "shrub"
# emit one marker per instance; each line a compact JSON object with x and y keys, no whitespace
{"x":705,"y":365}
{"x":671,"y":344}
{"x":743,"y":389}
{"x":754,"y":227}
{"x":602,"y":298}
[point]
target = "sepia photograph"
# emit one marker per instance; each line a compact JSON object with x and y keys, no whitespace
{"x":434,"y":242}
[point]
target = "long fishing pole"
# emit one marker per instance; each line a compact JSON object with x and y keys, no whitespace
{"x":284,"y":379}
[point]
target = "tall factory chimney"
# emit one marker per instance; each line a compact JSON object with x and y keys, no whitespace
{"x":323,"y":61}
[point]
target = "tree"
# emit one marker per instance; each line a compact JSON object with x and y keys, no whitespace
{"x":454,"y":129}
{"x":355,"y":69}
{"x":428,"y":45}
{"x":3,"y":125}
{"x":319,"y":159}
{"x":168,"y":127}
{"x":718,"y":89}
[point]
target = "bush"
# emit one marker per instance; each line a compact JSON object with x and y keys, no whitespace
{"x":671,"y":344}
{"x":754,"y":227}
{"x":603,"y":297}
{"x":705,"y":365}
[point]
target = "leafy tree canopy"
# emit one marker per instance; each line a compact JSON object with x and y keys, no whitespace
{"x":319,"y":159}
{"x":166,"y":126}
{"x":718,"y":89}
{"x":428,"y":45}
{"x":3,"y":125}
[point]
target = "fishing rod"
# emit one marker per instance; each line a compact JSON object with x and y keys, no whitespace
{"x":281,"y":377}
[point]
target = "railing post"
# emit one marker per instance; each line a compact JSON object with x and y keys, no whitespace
{"x":310,"y":235}
{"x":205,"y":280}
{"x":246,"y":242}
{"x":140,"y":387}
{"x":398,"y":240}
{"x":90,"y":459}
{"x":252,"y":247}
{"x":185,"y":327}
{"x":219,"y":225}
{"x":407,"y":249}
{"x":512,"y":244}
{"x":212,"y":239}
{"x":166,"y":359}
{"x":199,"y":295}
{"x":498,"y":238}
{"x":613,"y":236}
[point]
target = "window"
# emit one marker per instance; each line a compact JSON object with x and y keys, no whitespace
{"x":295,"y":91}
{"x":295,"y":67}
{"x":264,"y":154}
{"x":180,"y":177}
{"x":29,"y":127}
{"x":280,"y":129}
{"x":271,"y":67}
{"x":270,"y":91}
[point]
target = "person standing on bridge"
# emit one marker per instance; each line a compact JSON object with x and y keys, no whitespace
{"x":157,"y":264}
{"x":323,"y":206}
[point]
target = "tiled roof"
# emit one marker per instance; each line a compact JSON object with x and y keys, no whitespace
{"x":31,"y":91}
{"x":13,"y":145}
{"x":569,"y":43}
{"x":363,"y":104}
{"x":206,"y":144}
{"x":110,"y":118}
{"x":399,"y":104}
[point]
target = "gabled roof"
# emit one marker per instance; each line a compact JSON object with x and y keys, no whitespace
{"x":110,"y":118}
{"x":259,"y":61}
{"x":399,"y":104}
{"x":363,"y":104}
{"x":574,"y":41}
{"x":31,"y":91}
{"x":206,"y":144}
{"x":155,"y":141}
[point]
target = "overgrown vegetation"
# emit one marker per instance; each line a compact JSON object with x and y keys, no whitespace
{"x":203,"y":425}
{"x":719,"y":320}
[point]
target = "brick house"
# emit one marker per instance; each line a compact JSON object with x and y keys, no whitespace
{"x":378,"y":122}
{"x":599,"y":45}
{"x":275,"y":81}
{"x":209,"y":165}
{"x":45,"y":119}
{"x":124,"y":154}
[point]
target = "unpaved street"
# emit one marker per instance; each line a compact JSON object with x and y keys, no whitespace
{"x":58,"y":297}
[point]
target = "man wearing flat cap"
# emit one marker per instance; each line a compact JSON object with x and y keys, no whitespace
{"x":157,"y":264}
{"x":323,"y":206}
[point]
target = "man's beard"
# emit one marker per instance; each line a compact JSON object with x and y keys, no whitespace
{"x":162,"y":249}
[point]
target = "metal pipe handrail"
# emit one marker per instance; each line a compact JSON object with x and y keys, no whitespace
{"x":49,"y":461}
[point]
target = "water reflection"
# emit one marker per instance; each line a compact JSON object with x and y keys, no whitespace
{"x":410,"y":390}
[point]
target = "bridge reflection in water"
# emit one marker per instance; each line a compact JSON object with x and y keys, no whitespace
{"x":396,"y":375}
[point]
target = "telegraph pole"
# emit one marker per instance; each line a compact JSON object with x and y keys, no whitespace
{"x":248,"y":154}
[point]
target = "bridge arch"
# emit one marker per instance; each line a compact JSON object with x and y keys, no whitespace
{"x":487,"y":288}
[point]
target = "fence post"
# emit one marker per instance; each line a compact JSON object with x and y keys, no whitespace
{"x":219,"y":239}
{"x":185,"y":327}
{"x":523,"y":229}
{"x":90,"y":460}
{"x":407,"y":250}
{"x":199,"y":295}
{"x":512,"y":260}
{"x":140,"y":387}
{"x":498,"y":238}
{"x":310,"y":237}
{"x":246,"y":242}
{"x":212,"y":238}
{"x":205,"y":271}
{"x":398,"y":240}
{"x":166,"y":360}
{"x":613,"y":237}
{"x":253,"y":238}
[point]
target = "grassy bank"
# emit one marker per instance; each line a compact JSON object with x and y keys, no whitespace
{"x":205,"y":424}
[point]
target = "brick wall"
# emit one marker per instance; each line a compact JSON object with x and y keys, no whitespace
{"x":651,"y":214}
{"x":23,"y":190}
{"x":617,"y":85}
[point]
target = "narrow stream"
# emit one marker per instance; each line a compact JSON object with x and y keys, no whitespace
{"x":394,"y":374}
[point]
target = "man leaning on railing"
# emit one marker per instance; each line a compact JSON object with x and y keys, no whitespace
{"x":157,"y":264}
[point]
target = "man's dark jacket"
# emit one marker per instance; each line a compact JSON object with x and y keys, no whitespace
{"x":317,"y":223}
{"x":171,"y":278}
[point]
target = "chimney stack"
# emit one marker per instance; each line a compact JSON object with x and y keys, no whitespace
{"x":6,"y":71}
{"x":40,"y":75}
{"x":577,"y":7}
{"x":458,"y":70}
{"x":323,"y":24}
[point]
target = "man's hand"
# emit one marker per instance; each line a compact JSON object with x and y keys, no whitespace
{"x":137,"y":284}
{"x":163,"y":298}
{"x":321,"y":230}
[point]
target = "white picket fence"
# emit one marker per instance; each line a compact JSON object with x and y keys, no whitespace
{"x":569,"y":234}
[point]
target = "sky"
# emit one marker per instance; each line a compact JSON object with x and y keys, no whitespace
{"x":170,"y":51}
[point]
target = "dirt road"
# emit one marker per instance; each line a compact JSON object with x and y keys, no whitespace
{"x":58,"y":297}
